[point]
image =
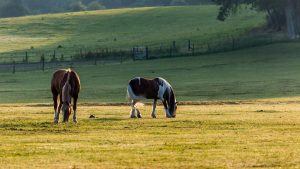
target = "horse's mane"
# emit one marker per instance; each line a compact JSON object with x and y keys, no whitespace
{"x":66,"y":88}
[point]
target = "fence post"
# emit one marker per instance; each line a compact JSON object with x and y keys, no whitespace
{"x":26,"y":57}
{"x":133,"y":54}
{"x":147,"y":53}
{"x":208,"y":48}
{"x":193,"y":49}
{"x":121,"y":56}
{"x":80,"y":51}
{"x":43,"y":62}
{"x":189,"y":45}
{"x":233,"y":43}
{"x":14,"y":67}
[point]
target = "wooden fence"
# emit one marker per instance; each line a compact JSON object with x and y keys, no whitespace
{"x":60,"y":57}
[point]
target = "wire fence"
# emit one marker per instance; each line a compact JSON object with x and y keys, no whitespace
{"x":61,"y":57}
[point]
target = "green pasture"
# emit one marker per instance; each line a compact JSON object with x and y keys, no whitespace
{"x":117,"y":29}
{"x":256,"y":73}
{"x":256,"y":135}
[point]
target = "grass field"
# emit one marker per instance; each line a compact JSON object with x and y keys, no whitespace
{"x":256,"y":73}
{"x":237,"y":109}
{"x":253,"y":135}
{"x":117,"y":28}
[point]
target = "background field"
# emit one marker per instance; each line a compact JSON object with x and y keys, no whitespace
{"x":117,"y":29}
{"x":256,"y":73}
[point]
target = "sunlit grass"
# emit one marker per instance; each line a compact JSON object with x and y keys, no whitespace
{"x":256,"y":135}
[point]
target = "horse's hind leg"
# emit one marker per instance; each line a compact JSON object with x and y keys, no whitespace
{"x":133,"y":102}
{"x":138,"y":113}
{"x":75,"y":108}
{"x":153,"y":114}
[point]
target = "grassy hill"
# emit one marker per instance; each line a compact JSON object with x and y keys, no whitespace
{"x":117,"y":28}
{"x":256,"y":73}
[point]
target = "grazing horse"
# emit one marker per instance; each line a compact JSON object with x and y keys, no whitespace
{"x":65,"y":84}
{"x":140,"y":88}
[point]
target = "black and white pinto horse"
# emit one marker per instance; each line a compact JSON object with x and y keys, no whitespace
{"x":140,"y":88}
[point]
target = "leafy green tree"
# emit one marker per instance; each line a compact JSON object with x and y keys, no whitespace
{"x":13,"y":8}
{"x":95,"y":5}
{"x":279,"y":12}
{"x":77,"y":6}
{"x":178,"y":2}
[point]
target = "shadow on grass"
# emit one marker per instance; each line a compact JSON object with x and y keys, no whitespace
{"x":107,"y":119}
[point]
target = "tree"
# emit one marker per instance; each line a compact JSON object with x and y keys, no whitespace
{"x":178,"y":2}
{"x":280,"y":13}
{"x":95,"y":5}
{"x":77,"y":6}
{"x":13,"y":8}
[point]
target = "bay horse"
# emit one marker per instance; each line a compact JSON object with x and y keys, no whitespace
{"x":65,"y":84}
{"x":158,"y":88}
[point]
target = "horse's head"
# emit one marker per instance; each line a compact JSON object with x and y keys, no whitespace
{"x":172,"y":107}
{"x":172,"y":110}
{"x":66,"y":110}
{"x":66,"y":101}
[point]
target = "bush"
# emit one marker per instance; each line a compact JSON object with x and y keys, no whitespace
{"x":95,"y":5}
{"x":77,"y":6}
{"x":178,"y":2}
{"x":13,"y":8}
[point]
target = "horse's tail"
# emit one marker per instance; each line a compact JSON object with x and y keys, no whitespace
{"x":129,"y":93}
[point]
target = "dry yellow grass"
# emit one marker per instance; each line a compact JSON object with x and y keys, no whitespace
{"x":255,"y":135}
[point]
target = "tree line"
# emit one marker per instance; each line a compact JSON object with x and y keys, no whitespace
{"x":13,"y":8}
{"x":281,"y":14}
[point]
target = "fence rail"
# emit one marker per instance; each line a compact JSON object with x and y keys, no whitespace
{"x":60,"y":57}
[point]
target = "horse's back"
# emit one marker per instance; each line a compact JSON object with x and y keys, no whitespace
{"x":60,"y":77}
{"x":146,"y":88}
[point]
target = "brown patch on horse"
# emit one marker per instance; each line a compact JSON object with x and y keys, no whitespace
{"x":145,"y":87}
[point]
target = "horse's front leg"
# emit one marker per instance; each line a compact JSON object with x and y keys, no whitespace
{"x":74,"y":109}
{"x":55,"y":106}
{"x":57,"y":114}
{"x":166,"y":109}
{"x":153,"y":114}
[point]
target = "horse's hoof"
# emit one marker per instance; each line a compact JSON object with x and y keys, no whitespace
{"x":153,"y":116}
{"x":75,"y":121}
{"x":139,"y":116}
{"x":133,"y":117}
{"x":55,"y":122}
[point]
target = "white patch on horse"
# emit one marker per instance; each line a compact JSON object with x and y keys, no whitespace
{"x":132,"y":96}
